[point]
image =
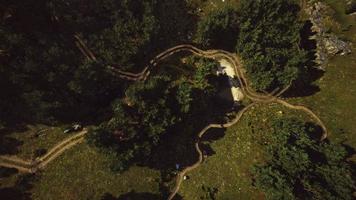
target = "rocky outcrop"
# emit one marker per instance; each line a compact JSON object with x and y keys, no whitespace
{"x":350,"y":7}
{"x":334,"y":45}
{"x":328,"y":44}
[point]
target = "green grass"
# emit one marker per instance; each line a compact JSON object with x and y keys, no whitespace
{"x":229,"y":169}
{"x":342,"y":20}
{"x":335,"y":103}
{"x":83,"y":173}
{"x":31,"y":143}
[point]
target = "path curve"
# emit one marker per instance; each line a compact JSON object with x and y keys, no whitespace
{"x":180,"y":175}
{"x":32,"y":166}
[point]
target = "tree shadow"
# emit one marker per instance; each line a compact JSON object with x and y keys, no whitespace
{"x":307,"y":43}
{"x":316,"y":131}
{"x":21,"y":190}
{"x":176,"y":150}
{"x":7,"y":172}
{"x":224,"y":96}
{"x":176,"y":147}
{"x":214,"y":134}
{"x":305,"y":86}
{"x":132,"y":196}
{"x":175,"y":24}
{"x":210,"y":136}
{"x":207,"y":149}
{"x":8,"y":144}
{"x":12,"y":194}
{"x":349,"y":149}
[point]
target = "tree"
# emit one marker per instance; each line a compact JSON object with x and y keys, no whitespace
{"x":219,"y":29}
{"x":268,"y":42}
{"x":175,"y":23}
{"x":132,"y":132}
{"x":302,"y":167}
{"x":93,"y":85}
{"x":118,"y":32}
{"x":205,"y":69}
{"x":151,"y":100}
{"x":184,"y":96}
{"x":150,"y":110}
{"x":273,"y":183}
{"x":44,"y":75}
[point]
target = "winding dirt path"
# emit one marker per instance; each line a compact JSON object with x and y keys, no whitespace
{"x":255,"y":97}
{"x":28,"y":166}
{"x":180,"y":175}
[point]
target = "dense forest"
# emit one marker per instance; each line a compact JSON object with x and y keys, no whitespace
{"x":44,"y":76}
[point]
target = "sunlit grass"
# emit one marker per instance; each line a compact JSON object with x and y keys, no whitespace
{"x":38,"y":137}
{"x":83,"y":173}
{"x":228,"y":170}
{"x":335,"y":103}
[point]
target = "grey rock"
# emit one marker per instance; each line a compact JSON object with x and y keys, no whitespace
{"x":335,"y":46}
{"x":328,"y":44}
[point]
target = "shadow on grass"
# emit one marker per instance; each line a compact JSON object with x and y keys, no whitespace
{"x":176,"y":147}
{"x":305,"y":86}
{"x":135,"y":196}
{"x":12,"y":194}
{"x":317,"y":130}
{"x":214,"y":134}
{"x":206,"y":149}
{"x":176,"y":150}
{"x":7,"y":172}
{"x":9,"y":145}
{"x":21,"y":190}
{"x":210,"y":136}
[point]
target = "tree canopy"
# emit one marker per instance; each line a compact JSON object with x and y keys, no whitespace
{"x":116,"y":31}
{"x":219,"y":29}
{"x":302,"y":167}
{"x":45,"y":76}
{"x":269,"y":42}
{"x":266,"y":33}
{"x":150,"y":110}
{"x":133,"y":130}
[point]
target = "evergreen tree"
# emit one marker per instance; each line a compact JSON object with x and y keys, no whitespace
{"x":268,"y":42}
{"x":219,"y":29}
{"x":302,"y":167}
